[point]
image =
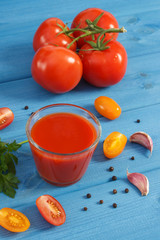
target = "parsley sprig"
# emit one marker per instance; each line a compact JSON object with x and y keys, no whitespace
{"x":8,"y":161}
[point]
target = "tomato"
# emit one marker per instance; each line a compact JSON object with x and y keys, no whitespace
{"x":56,"y":69}
{"x":47,"y":34}
{"x":107,"y":107}
{"x":6,"y":117}
{"x":51,"y":210}
{"x":114,"y":144}
{"x":104,"y":68}
{"x":106,"y":21}
{"x":13,"y":220}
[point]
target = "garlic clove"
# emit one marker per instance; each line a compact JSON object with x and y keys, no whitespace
{"x":142,"y":138}
{"x":140,"y":181}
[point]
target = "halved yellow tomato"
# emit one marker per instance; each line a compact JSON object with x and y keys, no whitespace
{"x":13,"y":220}
{"x":114,"y":144}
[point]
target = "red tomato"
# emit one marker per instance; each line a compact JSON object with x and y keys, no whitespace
{"x":104,"y":68}
{"x":47,"y":34}
{"x":56,"y":69}
{"x":6,"y":117}
{"x":106,"y":21}
{"x":51,"y":210}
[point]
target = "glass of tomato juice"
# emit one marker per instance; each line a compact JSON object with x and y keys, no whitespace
{"x":62,"y":138}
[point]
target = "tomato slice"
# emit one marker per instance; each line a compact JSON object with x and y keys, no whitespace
{"x":13,"y":220}
{"x":6,"y":117}
{"x":114,"y":144}
{"x":51,"y":210}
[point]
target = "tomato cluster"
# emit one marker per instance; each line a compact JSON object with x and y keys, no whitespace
{"x":57,"y":65}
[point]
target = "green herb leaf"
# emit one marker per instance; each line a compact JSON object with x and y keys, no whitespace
{"x":11,"y":178}
{"x":11,"y":166}
{"x":4,"y":166}
{"x":14,"y":146}
{"x":1,"y":183}
{"x":8,"y":180}
{"x":15,"y":159}
{"x":3,"y":147}
{"x":9,"y":190}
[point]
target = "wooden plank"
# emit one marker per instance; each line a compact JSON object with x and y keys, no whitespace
{"x":100,"y":221}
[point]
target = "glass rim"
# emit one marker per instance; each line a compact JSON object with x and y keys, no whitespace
{"x":63,"y":154}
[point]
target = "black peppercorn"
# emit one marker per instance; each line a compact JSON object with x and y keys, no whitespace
{"x":114,"y":205}
{"x":88,"y":195}
{"x":126,"y":190}
{"x":26,"y":107}
{"x":101,"y":201}
{"x":132,"y":158}
{"x":111,"y":169}
{"x":85,"y":208}
{"x":114,"y":191}
{"x":138,"y":120}
{"x":114,"y":178}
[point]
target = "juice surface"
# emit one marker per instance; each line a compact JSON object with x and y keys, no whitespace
{"x":63,"y":133}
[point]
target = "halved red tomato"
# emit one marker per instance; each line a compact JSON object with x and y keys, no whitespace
{"x":51,"y":210}
{"x":13,"y":220}
{"x":6,"y":117}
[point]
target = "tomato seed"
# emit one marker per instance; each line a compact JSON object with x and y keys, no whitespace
{"x":3,"y":120}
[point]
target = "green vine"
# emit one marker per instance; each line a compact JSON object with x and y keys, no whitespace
{"x":91,"y":30}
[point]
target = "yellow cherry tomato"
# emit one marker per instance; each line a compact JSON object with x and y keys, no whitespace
{"x":114,"y":144}
{"x":13,"y":220}
{"x":107,"y":107}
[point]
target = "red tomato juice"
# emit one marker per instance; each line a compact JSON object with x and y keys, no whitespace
{"x":62,"y":138}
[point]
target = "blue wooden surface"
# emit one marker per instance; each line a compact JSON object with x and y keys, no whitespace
{"x":138,"y":94}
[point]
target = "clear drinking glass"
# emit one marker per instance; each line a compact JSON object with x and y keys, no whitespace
{"x":62,"y":169}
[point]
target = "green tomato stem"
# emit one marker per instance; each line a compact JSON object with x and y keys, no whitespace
{"x":76,"y":29}
{"x":101,"y":30}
